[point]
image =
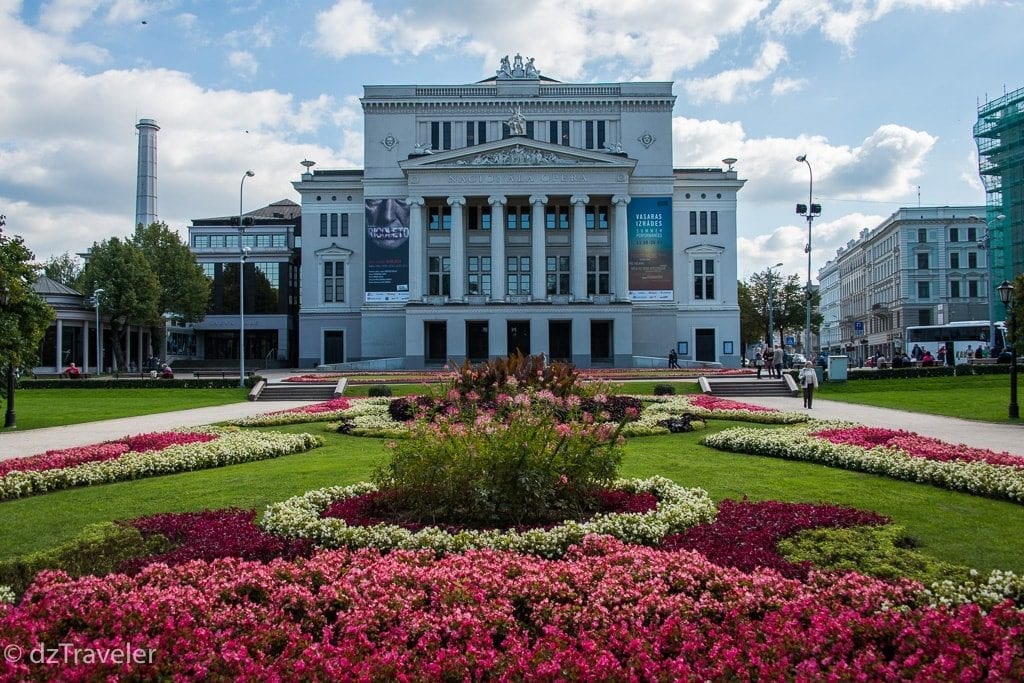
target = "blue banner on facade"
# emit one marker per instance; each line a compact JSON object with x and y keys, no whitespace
{"x":387,"y":250}
{"x":650,"y":249}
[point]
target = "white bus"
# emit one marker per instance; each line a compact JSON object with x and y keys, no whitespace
{"x":961,"y":339}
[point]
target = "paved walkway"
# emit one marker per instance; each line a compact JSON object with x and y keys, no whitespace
{"x":998,"y":437}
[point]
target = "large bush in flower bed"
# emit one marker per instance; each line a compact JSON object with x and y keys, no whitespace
{"x":606,"y":611}
{"x":230,"y":447}
{"x":928,"y":461}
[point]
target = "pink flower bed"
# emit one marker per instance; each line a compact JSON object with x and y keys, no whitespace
{"x":109,"y":450}
{"x":917,"y":445}
{"x":745,"y":534}
{"x":606,"y":611}
{"x":715,"y":403}
{"x":313,"y":379}
{"x":339,"y":403}
{"x":211,"y":535}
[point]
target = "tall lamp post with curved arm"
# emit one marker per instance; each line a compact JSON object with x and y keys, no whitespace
{"x":99,"y":345}
{"x":241,"y":284}
{"x":810,"y":210}
{"x":1006,"y":296}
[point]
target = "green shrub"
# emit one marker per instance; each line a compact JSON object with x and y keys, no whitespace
{"x":664,"y":390}
{"x":97,"y":550}
{"x":530,"y":468}
{"x":885,"y":552}
{"x":134,"y":383}
{"x":379,"y":390}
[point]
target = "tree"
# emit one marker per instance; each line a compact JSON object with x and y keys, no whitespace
{"x":184,"y":288}
{"x":131,"y":289}
{"x":788,"y":298}
{"x":751,"y":325}
{"x":24,"y":316}
{"x":64,"y":269}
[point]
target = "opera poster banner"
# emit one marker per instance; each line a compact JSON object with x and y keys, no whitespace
{"x":387,"y":250}
{"x":650,"y":249}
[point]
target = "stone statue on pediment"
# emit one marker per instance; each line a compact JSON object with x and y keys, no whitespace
{"x":505,"y":69}
{"x":517,"y":124}
{"x":517,"y":69}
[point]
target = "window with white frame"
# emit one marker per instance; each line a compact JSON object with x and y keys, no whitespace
{"x":557,"y":274}
{"x":439,"y":275}
{"x":517,"y":278}
{"x":334,"y":282}
{"x":704,"y":279}
{"x":598,"y":274}
{"x":478,"y":275}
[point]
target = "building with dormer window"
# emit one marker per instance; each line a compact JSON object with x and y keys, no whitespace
{"x":523,"y":213}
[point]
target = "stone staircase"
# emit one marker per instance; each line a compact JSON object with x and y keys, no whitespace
{"x":288,"y":391}
{"x":749,"y":387}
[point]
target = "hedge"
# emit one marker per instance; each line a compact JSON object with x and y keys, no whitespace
{"x":190,"y":383}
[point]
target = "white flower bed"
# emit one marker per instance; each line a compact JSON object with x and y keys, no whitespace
{"x":230,"y":448}
{"x":7,"y":595}
{"x":795,"y":443}
{"x":678,"y":509}
{"x":986,"y":593}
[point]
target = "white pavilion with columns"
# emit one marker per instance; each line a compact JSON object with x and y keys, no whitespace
{"x":523,"y":213}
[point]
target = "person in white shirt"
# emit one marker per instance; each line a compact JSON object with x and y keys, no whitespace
{"x":808,"y":379}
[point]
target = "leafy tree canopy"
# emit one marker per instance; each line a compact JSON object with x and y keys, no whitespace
{"x":184,"y":289}
{"x":24,"y":316}
{"x":64,"y":269}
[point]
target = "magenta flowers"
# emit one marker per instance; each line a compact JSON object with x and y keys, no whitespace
{"x":916,"y":445}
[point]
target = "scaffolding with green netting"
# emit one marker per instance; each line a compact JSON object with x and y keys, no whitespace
{"x":999,"y":134}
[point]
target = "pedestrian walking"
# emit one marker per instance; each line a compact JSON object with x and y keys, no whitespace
{"x":808,"y":379}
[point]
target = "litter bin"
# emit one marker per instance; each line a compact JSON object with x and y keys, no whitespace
{"x":837,"y":367}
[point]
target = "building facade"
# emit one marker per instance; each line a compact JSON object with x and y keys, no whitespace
{"x":518,"y":213}
{"x":268,"y":248}
{"x":921,"y":266}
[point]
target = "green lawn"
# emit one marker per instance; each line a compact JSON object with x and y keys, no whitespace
{"x":37,"y":408}
{"x":984,"y":397}
{"x":955,"y":527}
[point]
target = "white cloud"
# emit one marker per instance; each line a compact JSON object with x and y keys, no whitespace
{"x":728,"y":85}
{"x":243,"y":62}
{"x":786,"y":86}
{"x":257,"y":36}
{"x":64,"y":16}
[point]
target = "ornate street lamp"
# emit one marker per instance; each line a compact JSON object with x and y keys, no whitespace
{"x":810,"y":210}
{"x":1006,"y":296}
{"x":241,"y":284}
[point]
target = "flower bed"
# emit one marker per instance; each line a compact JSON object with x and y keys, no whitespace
{"x":678,"y":509}
{"x":108,"y":450}
{"x":798,"y":443}
{"x":745,"y":534}
{"x":917,"y":445}
{"x":604,"y":612}
{"x":315,"y":412}
{"x":659,"y":408}
{"x":229,"y":448}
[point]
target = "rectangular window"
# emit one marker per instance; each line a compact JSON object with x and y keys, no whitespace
{"x":439,"y":218}
{"x":593,"y":132}
{"x":439,"y":276}
{"x":922,"y":261}
{"x":201,"y":241}
{"x":703,"y":222}
{"x":972,"y":289}
{"x":558,"y":132}
{"x":924,"y":317}
{"x":344,"y":225}
{"x":922,"y":235}
{"x":518,"y":275}
{"x":954,"y":260}
{"x":557,"y":274}
{"x":972,"y":259}
{"x":597,"y":217}
{"x":518,"y":218}
{"x":323,"y":225}
{"x":954,"y":289}
{"x":476,"y":133}
{"x":704,"y":279}
{"x":693,"y":222}
{"x":334,"y":225}
{"x":441,"y":135}
{"x":478,"y":275}
{"x":588,"y":131}
{"x":924,"y":290}
{"x":556,"y":217}
{"x":334,"y":282}
{"x":435,"y":135}
{"x":209,"y":269}
{"x":597,"y":275}
{"x":600,"y":135}
{"x":972,"y":234}
{"x":954,"y":235}
{"x":714,"y":222}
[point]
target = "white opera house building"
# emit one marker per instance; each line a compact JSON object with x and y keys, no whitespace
{"x":523,"y":213}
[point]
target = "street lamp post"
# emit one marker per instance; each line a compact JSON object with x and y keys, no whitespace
{"x":9,"y":417}
{"x":1006,"y":296}
{"x":986,"y":243}
{"x":241,"y":284}
{"x":99,"y":345}
{"x":771,"y":305}
{"x":810,"y":210}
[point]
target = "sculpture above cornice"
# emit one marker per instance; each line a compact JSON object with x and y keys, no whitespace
{"x":518,"y":156}
{"x":517,"y":70}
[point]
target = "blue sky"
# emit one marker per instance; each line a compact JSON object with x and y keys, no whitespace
{"x":880,"y":94}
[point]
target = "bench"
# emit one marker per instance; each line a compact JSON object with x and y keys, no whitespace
{"x":218,"y":374}
{"x":58,"y":375}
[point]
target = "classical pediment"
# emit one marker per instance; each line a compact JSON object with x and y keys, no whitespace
{"x":333,"y":252}
{"x":699,"y":250}
{"x":518,"y":152}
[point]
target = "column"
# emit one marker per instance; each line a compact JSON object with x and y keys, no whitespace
{"x":138,"y":347}
{"x":417,"y":253}
{"x":497,"y":203}
{"x":85,"y":346}
{"x":457,"y":249}
{"x":578,"y":262}
{"x":59,"y":351}
{"x":620,"y":249}
{"x":539,"y":251}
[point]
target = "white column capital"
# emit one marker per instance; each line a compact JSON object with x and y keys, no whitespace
{"x":415,"y":201}
{"x":538,"y":199}
{"x":579,"y":199}
{"x":497,"y":199}
{"x":456,"y":201}
{"x":621,"y":199}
